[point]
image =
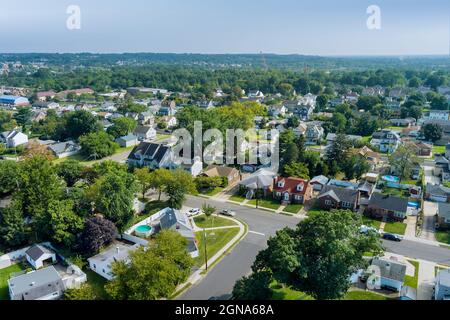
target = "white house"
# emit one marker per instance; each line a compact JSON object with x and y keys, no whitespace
{"x":64,"y":149}
{"x":13,"y":138}
{"x":442,"y":287}
{"x":37,"y":255}
{"x":102,"y":262}
{"x":145,"y":133}
{"x":392,"y":272}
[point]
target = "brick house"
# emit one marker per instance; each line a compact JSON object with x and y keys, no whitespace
{"x":387,"y":207}
{"x":333,"y":197}
{"x":291,"y":190}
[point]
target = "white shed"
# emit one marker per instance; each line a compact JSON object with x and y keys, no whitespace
{"x":37,"y":255}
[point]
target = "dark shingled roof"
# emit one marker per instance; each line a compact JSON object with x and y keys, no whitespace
{"x":389,"y":202}
{"x":339,"y":194}
{"x":36,"y":251}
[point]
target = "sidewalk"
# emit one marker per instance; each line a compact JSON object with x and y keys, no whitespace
{"x":200,"y":273}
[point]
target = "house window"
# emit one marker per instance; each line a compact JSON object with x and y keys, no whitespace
{"x":278,"y":194}
{"x":328,"y":202}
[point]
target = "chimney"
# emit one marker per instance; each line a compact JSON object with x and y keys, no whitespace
{"x":117,"y":250}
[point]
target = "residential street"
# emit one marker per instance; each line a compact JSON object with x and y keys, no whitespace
{"x":262,"y":224}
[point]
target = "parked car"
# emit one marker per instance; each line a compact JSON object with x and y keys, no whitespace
{"x":194,"y":212}
{"x":365,"y":229}
{"x":392,"y":237}
{"x":228,"y":213}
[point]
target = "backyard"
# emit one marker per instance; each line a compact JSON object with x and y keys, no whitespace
{"x":438,"y":149}
{"x":97,"y":283}
{"x":4,"y":277}
{"x":215,"y":240}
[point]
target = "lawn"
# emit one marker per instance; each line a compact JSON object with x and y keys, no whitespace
{"x":413,"y":281}
{"x":98,"y":284}
{"x":285,"y":293}
{"x":395,"y":192}
{"x":266,"y":203}
{"x":364,"y":295}
{"x":211,"y":192}
{"x":237,"y":198}
{"x":213,"y":242}
{"x":293,"y":208}
{"x":86,"y":162}
{"x":438,"y":149}
{"x":371,"y":222}
{"x":4,"y":277}
{"x":207,"y":222}
{"x":395,"y":227}
{"x":443,"y":236}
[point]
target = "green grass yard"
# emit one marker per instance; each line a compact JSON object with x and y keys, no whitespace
{"x":410,"y":280}
{"x":237,"y":198}
{"x":4,"y":277}
{"x":150,"y":209}
{"x":211,"y":192}
{"x":293,"y":208}
{"x":213,"y":242}
{"x":367,"y":221}
{"x":98,"y":284}
{"x":285,"y":293}
{"x":213,"y":222}
{"x":395,"y":227}
{"x":86,"y":162}
{"x":364,"y":295}
{"x":266,"y":203}
{"x":438,"y":149}
{"x":443,"y":236}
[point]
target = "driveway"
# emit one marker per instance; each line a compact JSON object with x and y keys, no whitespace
{"x":429,"y":177}
{"x":429,"y":219}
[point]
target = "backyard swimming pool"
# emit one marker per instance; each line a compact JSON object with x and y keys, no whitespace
{"x":391,"y":179}
{"x":143,"y":231}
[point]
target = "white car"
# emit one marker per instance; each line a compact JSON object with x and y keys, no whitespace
{"x":228,"y":213}
{"x":365,"y":229}
{"x":193,"y":212}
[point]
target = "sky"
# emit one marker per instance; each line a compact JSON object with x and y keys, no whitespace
{"x":310,"y":27}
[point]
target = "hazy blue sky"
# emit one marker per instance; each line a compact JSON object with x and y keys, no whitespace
{"x":332,"y":27}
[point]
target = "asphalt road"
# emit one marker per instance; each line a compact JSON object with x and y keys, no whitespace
{"x":262,"y":224}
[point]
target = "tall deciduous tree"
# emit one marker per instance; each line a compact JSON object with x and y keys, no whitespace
{"x":320,"y":255}
{"x":403,"y":161}
{"x":153,"y":273}
{"x":98,"y":232}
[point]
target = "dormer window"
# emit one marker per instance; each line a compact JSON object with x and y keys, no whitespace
{"x":300,"y":187}
{"x":281,"y":184}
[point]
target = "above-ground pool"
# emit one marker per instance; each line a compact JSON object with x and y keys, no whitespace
{"x":391,"y":178}
{"x":143,"y":231}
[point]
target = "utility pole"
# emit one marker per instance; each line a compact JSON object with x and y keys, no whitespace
{"x":206,"y":255}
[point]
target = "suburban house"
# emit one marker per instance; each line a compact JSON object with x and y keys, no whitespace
{"x":304,"y":111}
{"x":333,"y":197}
{"x":407,"y":122}
{"x":277,"y":111}
{"x":102,"y":262}
{"x":43,"y":284}
{"x":422,"y":149}
{"x":387,"y":207}
{"x":168,"y":108}
{"x":193,"y":166}
{"x":442,"y":168}
{"x":127,"y":141}
{"x":442,"y":286}
{"x":44,"y":95}
{"x":392,"y":272}
{"x":178,"y":221}
{"x":232,"y":175}
{"x":319,"y":182}
{"x":152,"y":155}
{"x":205,"y":104}
{"x":351,"y":97}
{"x":437,"y":115}
{"x":145,"y":133}
{"x":373,"y":91}
{"x":38,"y":255}
{"x":386,"y":140}
{"x":255,"y":94}
{"x":313,"y":134}
{"x":437,"y":193}
{"x":443,"y":216}
{"x":64,"y":149}
{"x":260,"y":180}
{"x":170,"y":121}
{"x":291,"y":190}
{"x":146,"y":119}
{"x":13,"y":138}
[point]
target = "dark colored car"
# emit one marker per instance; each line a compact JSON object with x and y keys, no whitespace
{"x":392,"y":237}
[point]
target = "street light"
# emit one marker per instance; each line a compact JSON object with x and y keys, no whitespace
{"x":206,"y":255}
